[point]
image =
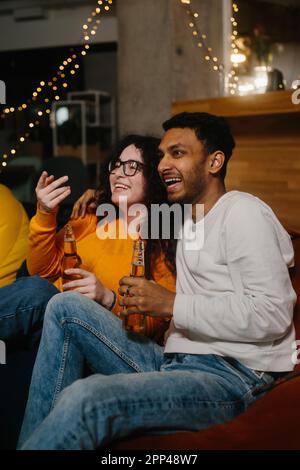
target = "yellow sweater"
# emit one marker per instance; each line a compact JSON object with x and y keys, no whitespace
{"x":13,"y":236}
{"x":108,"y":259}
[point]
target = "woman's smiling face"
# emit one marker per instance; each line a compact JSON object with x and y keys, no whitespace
{"x":131,"y":187}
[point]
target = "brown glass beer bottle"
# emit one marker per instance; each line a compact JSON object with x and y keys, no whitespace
{"x":70,"y":259}
{"x":136,"y":322}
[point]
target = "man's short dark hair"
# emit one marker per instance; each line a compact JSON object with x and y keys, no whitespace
{"x":213,"y":131}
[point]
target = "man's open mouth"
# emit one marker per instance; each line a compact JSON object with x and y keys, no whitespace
{"x":172,"y":183}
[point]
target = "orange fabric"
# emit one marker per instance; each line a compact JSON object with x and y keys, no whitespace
{"x":13,"y":236}
{"x":108,"y":259}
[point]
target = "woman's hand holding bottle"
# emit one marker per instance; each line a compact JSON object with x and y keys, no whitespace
{"x":90,"y":286}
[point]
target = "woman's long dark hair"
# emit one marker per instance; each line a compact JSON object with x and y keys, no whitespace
{"x":155,"y":194}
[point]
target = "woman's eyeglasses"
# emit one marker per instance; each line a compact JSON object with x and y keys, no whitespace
{"x":130,"y":167}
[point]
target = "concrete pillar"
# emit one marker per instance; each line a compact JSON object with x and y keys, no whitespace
{"x":144,"y":64}
{"x":158,"y":61}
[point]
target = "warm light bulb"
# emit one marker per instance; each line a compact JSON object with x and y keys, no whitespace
{"x":238,"y":58}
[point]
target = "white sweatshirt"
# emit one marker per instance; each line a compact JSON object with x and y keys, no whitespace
{"x":234,"y":296}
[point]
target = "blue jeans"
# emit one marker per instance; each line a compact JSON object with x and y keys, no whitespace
{"x":22,"y":308}
{"x":135,"y":388}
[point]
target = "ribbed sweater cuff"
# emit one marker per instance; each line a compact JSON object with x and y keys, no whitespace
{"x":45,"y":219}
{"x":180,"y":309}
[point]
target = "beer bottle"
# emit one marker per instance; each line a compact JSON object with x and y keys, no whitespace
{"x":136,"y":322}
{"x":70,"y":259}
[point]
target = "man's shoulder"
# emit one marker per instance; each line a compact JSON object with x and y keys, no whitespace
{"x":238,"y":202}
{"x":241,"y":210}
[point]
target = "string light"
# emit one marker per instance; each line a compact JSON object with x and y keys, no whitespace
{"x":88,"y":28}
{"x":236,"y":57}
{"x":209,"y":57}
{"x":201,"y":38}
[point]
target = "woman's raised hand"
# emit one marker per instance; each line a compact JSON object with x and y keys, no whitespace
{"x":50,"y":193}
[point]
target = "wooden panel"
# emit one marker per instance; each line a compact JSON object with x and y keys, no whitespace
{"x":266,"y":161}
{"x":269,"y":169}
{"x":276,"y":102}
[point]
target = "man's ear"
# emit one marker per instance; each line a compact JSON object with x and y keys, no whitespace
{"x":216,"y":161}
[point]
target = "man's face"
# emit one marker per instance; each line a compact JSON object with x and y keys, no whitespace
{"x":183,"y":167}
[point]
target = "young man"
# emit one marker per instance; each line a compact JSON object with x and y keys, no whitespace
{"x":231,"y":330}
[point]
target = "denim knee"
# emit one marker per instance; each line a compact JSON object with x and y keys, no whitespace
{"x":63,"y":305}
{"x":76,"y":395}
{"x":36,"y":289}
{"x":73,"y":303}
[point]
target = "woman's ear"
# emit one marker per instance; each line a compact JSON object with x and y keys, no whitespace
{"x":216,"y":161}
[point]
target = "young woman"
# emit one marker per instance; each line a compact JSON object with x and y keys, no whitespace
{"x":131,"y":174}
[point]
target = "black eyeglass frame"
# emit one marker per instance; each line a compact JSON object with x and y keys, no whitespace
{"x":112,"y":166}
